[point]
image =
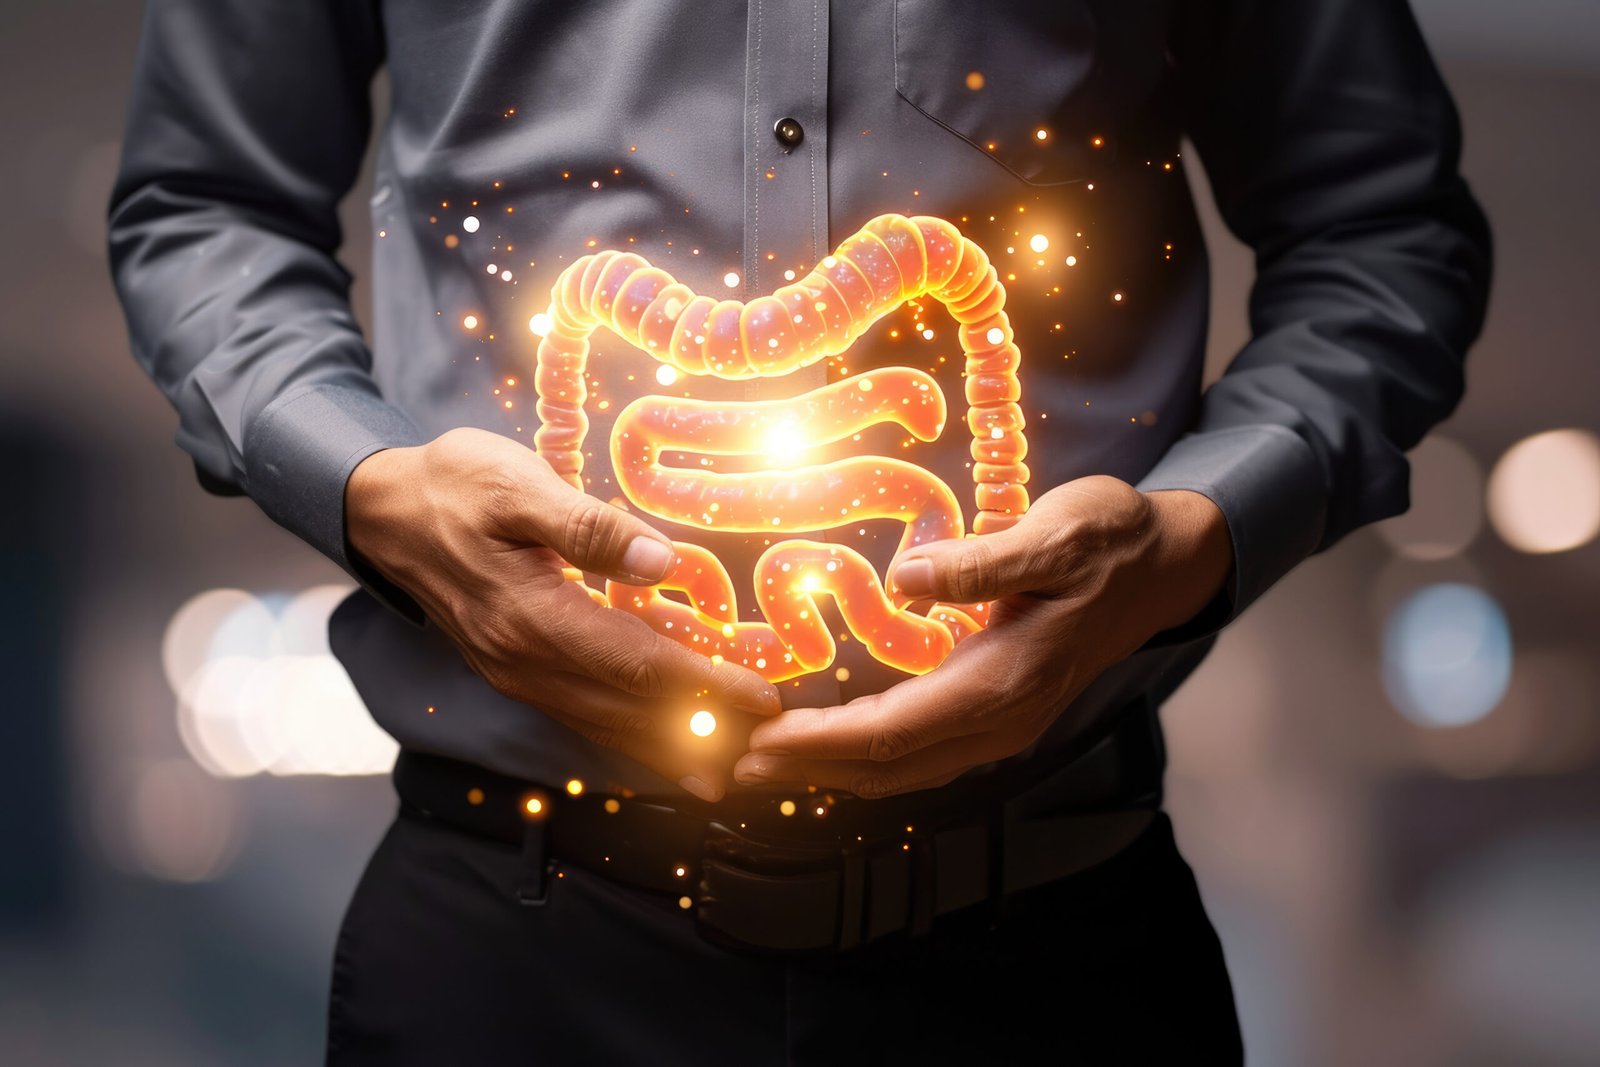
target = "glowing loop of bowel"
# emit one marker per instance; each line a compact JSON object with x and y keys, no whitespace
{"x":889,"y":261}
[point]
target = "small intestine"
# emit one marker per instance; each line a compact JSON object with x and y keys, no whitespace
{"x":891,"y":260}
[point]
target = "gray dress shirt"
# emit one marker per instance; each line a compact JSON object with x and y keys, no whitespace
{"x":732,"y":141}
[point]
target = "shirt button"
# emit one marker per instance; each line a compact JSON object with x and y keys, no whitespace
{"x":788,"y":132}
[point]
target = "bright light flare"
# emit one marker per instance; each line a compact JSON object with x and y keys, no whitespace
{"x":702,"y":723}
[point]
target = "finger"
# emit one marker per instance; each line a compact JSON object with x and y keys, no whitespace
{"x":589,"y":533}
{"x":1027,"y":557}
{"x":655,"y":733}
{"x":621,"y":650}
{"x":956,"y":699}
{"x":928,"y":768}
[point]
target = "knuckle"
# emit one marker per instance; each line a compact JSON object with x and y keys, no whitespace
{"x":876,"y":784}
{"x":580,"y":531}
{"x":890,"y":742}
{"x":974,"y":572}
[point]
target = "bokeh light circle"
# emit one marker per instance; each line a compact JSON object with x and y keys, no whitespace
{"x":1446,"y":510}
{"x":1544,"y":494}
{"x":1447,"y":655}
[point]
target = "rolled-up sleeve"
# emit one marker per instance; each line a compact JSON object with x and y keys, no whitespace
{"x":247,"y":124}
{"x":1331,"y":144}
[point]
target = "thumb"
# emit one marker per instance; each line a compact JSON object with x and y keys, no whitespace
{"x":595,"y":536}
{"x":1025,"y":558}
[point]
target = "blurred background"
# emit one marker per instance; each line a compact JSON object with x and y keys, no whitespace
{"x":1387,"y":777}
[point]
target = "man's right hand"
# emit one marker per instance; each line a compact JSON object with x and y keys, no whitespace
{"x":477,"y":527}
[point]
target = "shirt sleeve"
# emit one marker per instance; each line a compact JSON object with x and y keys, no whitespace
{"x":247,"y":124}
{"x":1331,"y":144}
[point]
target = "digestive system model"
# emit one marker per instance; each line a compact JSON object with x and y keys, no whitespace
{"x":889,"y":261}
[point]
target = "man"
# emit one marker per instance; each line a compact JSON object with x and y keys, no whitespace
{"x":856,"y":861}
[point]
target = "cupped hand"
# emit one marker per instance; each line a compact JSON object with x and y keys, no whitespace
{"x":1091,"y":572}
{"x":477,"y":528}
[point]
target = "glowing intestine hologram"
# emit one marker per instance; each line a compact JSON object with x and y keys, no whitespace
{"x":891,"y":260}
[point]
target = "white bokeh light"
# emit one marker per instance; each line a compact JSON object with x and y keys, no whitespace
{"x":1544,"y":494}
{"x":1446,"y":510}
{"x":260,"y":692}
{"x":1447,"y":655}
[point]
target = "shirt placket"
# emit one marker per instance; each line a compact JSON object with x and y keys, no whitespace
{"x":786,"y":185}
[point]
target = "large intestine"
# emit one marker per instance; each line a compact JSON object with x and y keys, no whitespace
{"x":889,"y":261}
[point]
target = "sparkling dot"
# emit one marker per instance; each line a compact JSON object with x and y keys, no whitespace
{"x":702,"y":723}
{"x":540,"y":324}
{"x":1072,"y":261}
{"x":995,"y":335}
{"x":1038,"y":242}
{"x":533,"y":805}
{"x":685,"y":903}
{"x":494,"y":268}
{"x":1117,"y":297}
{"x":843,"y":674}
{"x":474,"y":796}
{"x":788,"y":275}
{"x":786,"y":808}
{"x":470,"y":322}
{"x":1041,"y":134}
{"x":927,"y":335}
{"x":974,"y":80}
{"x":470,"y":224}
{"x":731,"y":279}
{"x":575,"y":787}
{"x":505,"y":276}
{"x":612,"y":805}
{"x":666,"y":374}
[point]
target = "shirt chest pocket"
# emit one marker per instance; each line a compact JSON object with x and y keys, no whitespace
{"x":1007,"y":76}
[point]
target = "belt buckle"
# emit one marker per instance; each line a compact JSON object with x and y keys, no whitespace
{"x":751,"y":883}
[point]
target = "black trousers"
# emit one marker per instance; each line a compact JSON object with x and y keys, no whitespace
{"x":437,"y":963}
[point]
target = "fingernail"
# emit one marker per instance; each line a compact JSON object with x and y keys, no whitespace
{"x":751,"y":773}
{"x":914,"y":577}
{"x":645,"y":557}
{"x":700,"y":788}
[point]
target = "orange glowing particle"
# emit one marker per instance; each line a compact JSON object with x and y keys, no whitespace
{"x":508,"y":405}
{"x":786,"y":808}
{"x":470,"y":322}
{"x":1041,"y":134}
{"x":685,"y":903}
{"x":430,"y":709}
{"x":680,"y":871}
{"x":566,"y":174}
{"x":511,"y":382}
{"x":575,"y":787}
{"x":474,"y":796}
{"x":533,"y":805}
{"x":612,"y":806}
{"x":1097,"y":142}
{"x":975,"y":80}
{"x":451,"y":240}
{"x":990,"y":146}
{"x":1117,"y":297}
{"x":633,"y":148}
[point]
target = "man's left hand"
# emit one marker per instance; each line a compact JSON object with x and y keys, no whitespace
{"x":1091,"y":572}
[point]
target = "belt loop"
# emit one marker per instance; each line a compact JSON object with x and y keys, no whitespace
{"x":533,"y":888}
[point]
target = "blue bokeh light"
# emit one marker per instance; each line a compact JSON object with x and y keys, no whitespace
{"x":1447,"y":655}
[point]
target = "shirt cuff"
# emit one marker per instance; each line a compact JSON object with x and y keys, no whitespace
{"x":298,"y":455}
{"x":1270,"y":488}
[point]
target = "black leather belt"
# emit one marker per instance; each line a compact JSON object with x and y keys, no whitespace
{"x":750,"y":880}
